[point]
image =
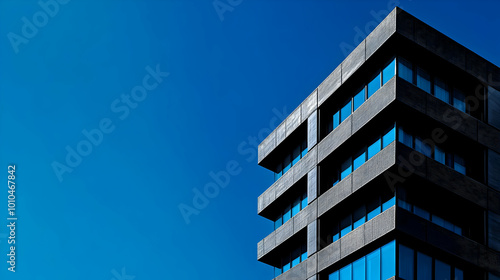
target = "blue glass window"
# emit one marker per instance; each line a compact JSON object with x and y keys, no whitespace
{"x":423,"y":147}
{"x":405,"y":205}
{"x":303,"y":257}
{"x":345,"y":168}
{"x":448,"y":225}
{"x":442,"y":271}
{"x":336,"y":119}
{"x":441,"y":90}
{"x":304,"y":149}
{"x":359,"y":216}
{"x":423,"y":80}
{"x":345,"y":111}
{"x":405,"y":262}
{"x":288,"y":214}
{"x":405,"y":138}
{"x":296,"y":155}
{"x":459,"y":274}
{"x":374,"y":148}
{"x":295,"y":257}
{"x":334,"y":276}
{"x":346,"y":272}
{"x":278,"y":222}
{"x":336,"y":233}
{"x":359,"y":159}
{"x":374,"y":85}
{"x":304,"y":201}
{"x":287,"y":164}
{"x":457,"y":230}
{"x":459,"y":100}
{"x":295,"y":207}
{"x":345,"y":226}
{"x":438,"y":220}
{"x":389,"y":72}
{"x":359,"y":99}
{"x":277,"y":271}
{"x":286,"y":261}
{"x":459,"y":164}
{"x":424,"y":267}
{"x":389,"y":137}
{"x":405,"y":70}
{"x":439,"y":155}
{"x":373,"y":265}
{"x":388,"y":260}
{"x":389,"y":203}
{"x":421,"y":213}
{"x":373,"y":208}
{"x":358,"y":269}
{"x":278,"y":172}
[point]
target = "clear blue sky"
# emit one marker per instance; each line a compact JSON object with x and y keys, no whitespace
{"x":63,"y":73}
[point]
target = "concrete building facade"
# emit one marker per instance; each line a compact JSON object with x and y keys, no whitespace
{"x":390,"y":168}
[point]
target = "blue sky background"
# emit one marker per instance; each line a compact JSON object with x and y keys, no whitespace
{"x":119,"y":207}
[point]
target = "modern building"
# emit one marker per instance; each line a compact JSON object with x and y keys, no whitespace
{"x":390,"y":168}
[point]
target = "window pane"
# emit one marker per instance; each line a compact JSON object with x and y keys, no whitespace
{"x":438,"y":220}
{"x":423,"y":80}
{"x":334,"y":276}
{"x":388,"y":204}
{"x":345,"y":111}
{"x":442,"y":271}
{"x":277,"y":271}
{"x":421,"y":213}
{"x":304,"y":148}
{"x":346,"y":272}
{"x":296,"y":155}
{"x":277,"y":176}
{"x":459,"y":164}
{"x":288,"y":214}
{"x":336,"y":233}
{"x":287,"y":163}
{"x":278,"y":172}
{"x":296,"y":257}
{"x":373,"y":208}
{"x":304,"y":201}
{"x":336,"y":119}
{"x":389,"y":137}
{"x":359,"y":159}
{"x":303,"y":257}
{"x":424,"y":267}
{"x":389,"y":72}
{"x":459,"y":100}
{"x":286,"y":267}
{"x":405,"y":138}
{"x":389,"y":260}
{"x":374,"y":85}
{"x":286,"y":263}
{"x":359,"y":99}
{"x":405,"y":262}
{"x":405,"y":205}
{"x":459,"y":274}
{"x":345,"y":168}
{"x":358,"y":269}
{"x":439,"y":155}
{"x":422,"y":147}
{"x":278,"y":222}
{"x":405,"y":70}
{"x":448,"y":225}
{"x":345,"y":226}
{"x":359,"y":216}
{"x":373,"y":265}
{"x":296,"y":207}
{"x":457,"y":230}
{"x":374,"y":148}
{"x":441,"y":90}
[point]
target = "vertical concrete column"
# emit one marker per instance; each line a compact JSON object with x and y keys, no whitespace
{"x":312,"y":130}
{"x":312,"y":238}
{"x":312,"y":184}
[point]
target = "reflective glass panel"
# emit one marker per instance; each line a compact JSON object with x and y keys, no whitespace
{"x":345,"y":226}
{"x":389,"y":137}
{"x":296,"y":207}
{"x":358,"y":269}
{"x":424,"y":267}
{"x":345,"y":111}
{"x":389,"y":72}
{"x":459,"y":274}
{"x":296,"y":155}
{"x":334,"y":276}
{"x":277,"y":271}
{"x":405,"y":138}
{"x":287,"y":163}
{"x":373,"y":208}
{"x":423,"y":80}
{"x":374,"y":148}
{"x":441,"y":90}
{"x":345,"y":168}
{"x":459,"y":164}
{"x":405,"y":205}
{"x":278,"y":222}
{"x":438,"y":220}
{"x":295,"y":257}
{"x":442,"y":271}
{"x":288,"y":214}
{"x":304,"y":201}
{"x":336,"y":119}
{"x":359,"y":159}
{"x":405,"y":70}
{"x":374,"y":85}
{"x":457,"y":230}
{"x":388,"y":204}
{"x":405,"y":262}
{"x":388,"y":260}
{"x":459,"y":100}
{"x":421,"y":213}
{"x":346,"y":272}
{"x":422,"y":147}
{"x":439,"y":155}
{"x":359,"y":99}
{"x":359,"y":216}
{"x":373,"y":265}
